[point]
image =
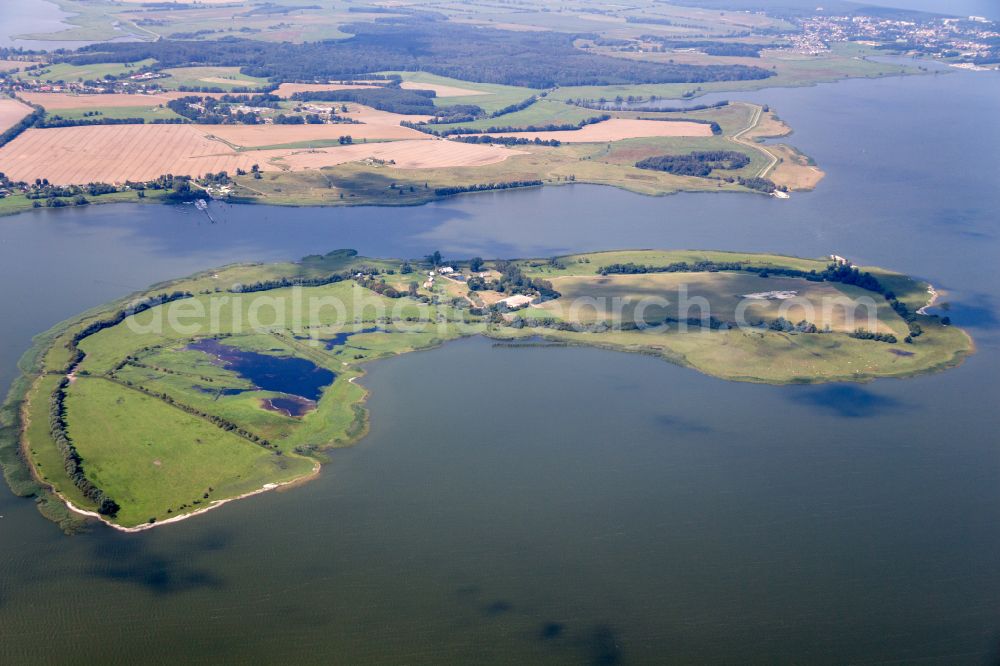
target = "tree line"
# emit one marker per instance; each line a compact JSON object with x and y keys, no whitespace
{"x":59,"y":121}
{"x":72,"y":462}
{"x":506,"y":140}
{"x":865,"y":334}
{"x":551,"y":127}
{"x":17,"y":128}
{"x":485,"y":187}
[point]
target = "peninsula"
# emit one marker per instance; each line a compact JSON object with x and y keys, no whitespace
{"x":235,"y":381}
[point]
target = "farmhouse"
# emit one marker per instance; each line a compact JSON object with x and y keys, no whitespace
{"x":516,"y":301}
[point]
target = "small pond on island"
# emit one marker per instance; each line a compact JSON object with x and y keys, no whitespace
{"x":297,"y":377}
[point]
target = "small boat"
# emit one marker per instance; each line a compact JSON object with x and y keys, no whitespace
{"x":780,"y":194}
{"x":200,"y":204}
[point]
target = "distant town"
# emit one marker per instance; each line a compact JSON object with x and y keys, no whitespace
{"x":971,"y":42}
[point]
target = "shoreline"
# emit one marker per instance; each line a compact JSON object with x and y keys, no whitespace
{"x":934,"y":296}
{"x":267,"y":487}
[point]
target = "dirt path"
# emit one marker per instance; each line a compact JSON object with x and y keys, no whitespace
{"x":738,"y":138}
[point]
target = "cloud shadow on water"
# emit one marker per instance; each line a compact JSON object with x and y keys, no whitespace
{"x":977,"y":311}
{"x":128,"y":561}
{"x":846,"y":401}
{"x":678,"y":424}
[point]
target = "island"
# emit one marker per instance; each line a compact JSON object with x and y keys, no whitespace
{"x":238,"y":380}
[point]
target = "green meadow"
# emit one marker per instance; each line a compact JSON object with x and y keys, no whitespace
{"x":225,"y":78}
{"x":67,"y":73}
{"x":495,"y":97}
{"x":146,"y":113}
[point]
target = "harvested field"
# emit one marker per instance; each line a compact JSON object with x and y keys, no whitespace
{"x":370,"y":116}
{"x":442,"y":90}
{"x":11,"y":111}
{"x":288,"y":89}
{"x":252,"y":136}
{"x":7,"y":65}
{"x":405,"y":154}
{"x":61,"y":101}
{"x":617,"y":129}
{"x":116,"y":153}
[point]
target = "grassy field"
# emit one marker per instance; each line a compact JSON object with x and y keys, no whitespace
{"x":497,"y":97}
{"x":144,"y":409}
{"x":225,"y":78}
{"x":683,"y":295}
{"x":155,"y":458}
{"x":147,"y":113}
{"x":19,"y":203}
{"x":791,"y":70}
{"x":542,"y":112}
{"x":67,"y":73}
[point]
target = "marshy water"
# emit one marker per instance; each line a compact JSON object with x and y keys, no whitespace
{"x":270,"y":372}
{"x":572,"y":505}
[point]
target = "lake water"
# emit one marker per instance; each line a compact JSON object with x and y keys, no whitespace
{"x":24,"y":17}
{"x":268,"y":372}
{"x":569,"y":505}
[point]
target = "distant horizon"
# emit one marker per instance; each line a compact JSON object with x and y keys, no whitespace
{"x":988,"y":8}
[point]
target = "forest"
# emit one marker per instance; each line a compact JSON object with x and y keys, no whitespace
{"x":392,"y":99}
{"x":699,"y":163}
{"x":529,"y":59}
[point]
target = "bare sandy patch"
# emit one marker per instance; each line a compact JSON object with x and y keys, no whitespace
{"x":286,"y":90}
{"x":793,"y":169}
{"x":617,"y":129}
{"x":251,"y":136}
{"x":11,"y":111}
{"x":442,"y":90}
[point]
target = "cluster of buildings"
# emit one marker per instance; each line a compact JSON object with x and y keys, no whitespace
{"x":972,"y":38}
